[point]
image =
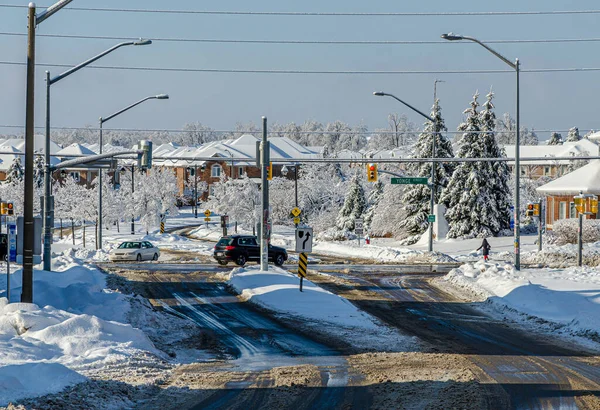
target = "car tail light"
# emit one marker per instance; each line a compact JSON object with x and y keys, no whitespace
{"x":229,"y":248}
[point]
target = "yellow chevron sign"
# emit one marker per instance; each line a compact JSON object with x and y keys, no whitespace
{"x":302,"y":264}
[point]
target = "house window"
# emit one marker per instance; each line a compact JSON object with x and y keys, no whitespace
{"x":215,"y":171}
{"x":547,"y":171}
{"x":562,"y":210}
{"x":572,"y":210}
{"x":240,"y":171}
{"x":211,"y":190}
{"x":75,"y":175}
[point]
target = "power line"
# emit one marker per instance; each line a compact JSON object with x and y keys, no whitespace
{"x":270,"y":131}
{"x":338,"y":72}
{"x":324,"y":14}
{"x":325,"y":42}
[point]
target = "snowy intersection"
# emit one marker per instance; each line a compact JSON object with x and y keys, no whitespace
{"x":86,"y":327}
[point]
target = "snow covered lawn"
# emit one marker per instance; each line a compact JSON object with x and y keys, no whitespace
{"x":568,"y":298}
{"x":76,"y":325}
{"x":278,"y":291}
{"x":383,"y":254}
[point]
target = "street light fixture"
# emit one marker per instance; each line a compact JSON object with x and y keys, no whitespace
{"x":514,"y":66}
{"x":432,"y":188}
{"x":48,"y":205}
{"x":102,"y":121}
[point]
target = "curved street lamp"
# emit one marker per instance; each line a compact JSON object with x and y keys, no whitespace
{"x":514,"y":66}
{"x":432,"y":187}
{"x":48,"y":220}
{"x":102,"y":121}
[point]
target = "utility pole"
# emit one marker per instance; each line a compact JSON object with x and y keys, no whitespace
{"x":265,"y":217}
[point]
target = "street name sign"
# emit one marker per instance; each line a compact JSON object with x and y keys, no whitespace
{"x":304,"y":237}
{"x":430,"y":218}
{"x":409,"y":181}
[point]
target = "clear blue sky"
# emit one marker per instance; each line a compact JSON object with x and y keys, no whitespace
{"x":219,"y":100}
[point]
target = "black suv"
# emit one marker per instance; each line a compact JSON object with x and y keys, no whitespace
{"x":243,"y":248}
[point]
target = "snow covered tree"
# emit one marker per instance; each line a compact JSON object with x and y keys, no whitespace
{"x":388,"y":216}
{"x":499,"y":170}
{"x":472,"y":209}
{"x":237,"y":198}
{"x":38,"y":171}
{"x":528,"y":137}
{"x":372,"y":202}
{"x":155,"y":194}
{"x":555,"y":139}
{"x":354,"y":206}
{"x":416,"y":198}
{"x":573,"y":135}
{"x":15,"y":172}
{"x":505,"y":131}
{"x":401,"y":132}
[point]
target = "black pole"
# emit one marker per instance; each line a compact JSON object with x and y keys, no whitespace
{"x":28,"y":235}
{"x":132,"y":191}
{"x":195,"y":191}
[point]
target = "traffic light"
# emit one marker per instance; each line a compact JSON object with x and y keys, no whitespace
{"x":529,"y":211}
{"x":10,"y":208}
{"x":372,"y":172}
{"x":594,"y":205}
{"x":270,"y":171}
{"x":536,"y":209}
{"x":145,"y":158}
{"x":579,"y":204}
{"x":4,"y":208}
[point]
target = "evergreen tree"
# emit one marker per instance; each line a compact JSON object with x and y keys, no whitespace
{"x":499,"y":170}
{"x":38,"y":170}
{"x":354,"y":206}
{"x":417,"y":198}
{"x":573,"y":135}
{"x":528,"y":137}
{"x":372,"y":202}
{"x":15,"y":173}
{"x":555,"y":139}
{"x":470,"y":193}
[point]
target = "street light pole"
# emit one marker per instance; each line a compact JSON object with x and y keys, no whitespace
{"x":432,"y":187}
{"x":48,"y":203}
{"x":515,"y":66}
{"x":102,"y":121}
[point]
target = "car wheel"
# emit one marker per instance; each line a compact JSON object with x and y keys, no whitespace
{"x":241,"y":260}
{"x":138,"y":257}
{"x":155,"y":257}
{"x":279,"y":259}
{"x":222,"y":263}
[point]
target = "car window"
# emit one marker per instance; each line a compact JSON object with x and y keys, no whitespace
{"x":225,"y":241}
{"x":252,"y":241}
{"x":124,"y":245}
{"x":243,"y":241}
{"x":147,"y":245}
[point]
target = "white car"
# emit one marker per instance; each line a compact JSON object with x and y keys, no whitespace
{"x":134,"y":251}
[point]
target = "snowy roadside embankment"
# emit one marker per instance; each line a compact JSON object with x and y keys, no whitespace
{"x":561,"y":256}
{"x":567,"y":298}
{"x":75,"y":326}
{"x":278,"y":291}
{"x":379,"y":253}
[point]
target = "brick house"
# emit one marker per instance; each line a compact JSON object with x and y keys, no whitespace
{"x":560,"y":192}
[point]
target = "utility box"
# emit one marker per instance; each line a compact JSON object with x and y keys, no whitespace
{"x":37,"y":239}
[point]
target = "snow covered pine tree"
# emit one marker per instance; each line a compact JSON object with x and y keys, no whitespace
{"x":416,"y":198}
{"x":470,"y":193}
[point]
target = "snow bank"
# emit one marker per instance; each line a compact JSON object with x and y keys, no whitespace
{"x":278,"y":290}
{"x":379,"y":253}
{"x":567,"y":297}
{"x":73,"y":326}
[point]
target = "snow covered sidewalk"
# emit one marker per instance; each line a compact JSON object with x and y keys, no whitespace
{"x":278,"y":291}
{"x":75,"y":326}
{"x":567,"y":298}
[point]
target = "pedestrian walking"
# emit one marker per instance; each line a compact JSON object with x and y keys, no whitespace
{"x":485,"y":247}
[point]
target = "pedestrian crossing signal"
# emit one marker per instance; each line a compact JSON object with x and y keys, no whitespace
{"x":529,"y":211}
{"x":372,"y":172}
{"x":11,"y":209}
{"x":270,"y":171}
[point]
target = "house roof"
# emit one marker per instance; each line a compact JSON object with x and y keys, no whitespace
{"x":585,"y":179}
{"x":579,"y":148}
{"x":75,"y":149}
